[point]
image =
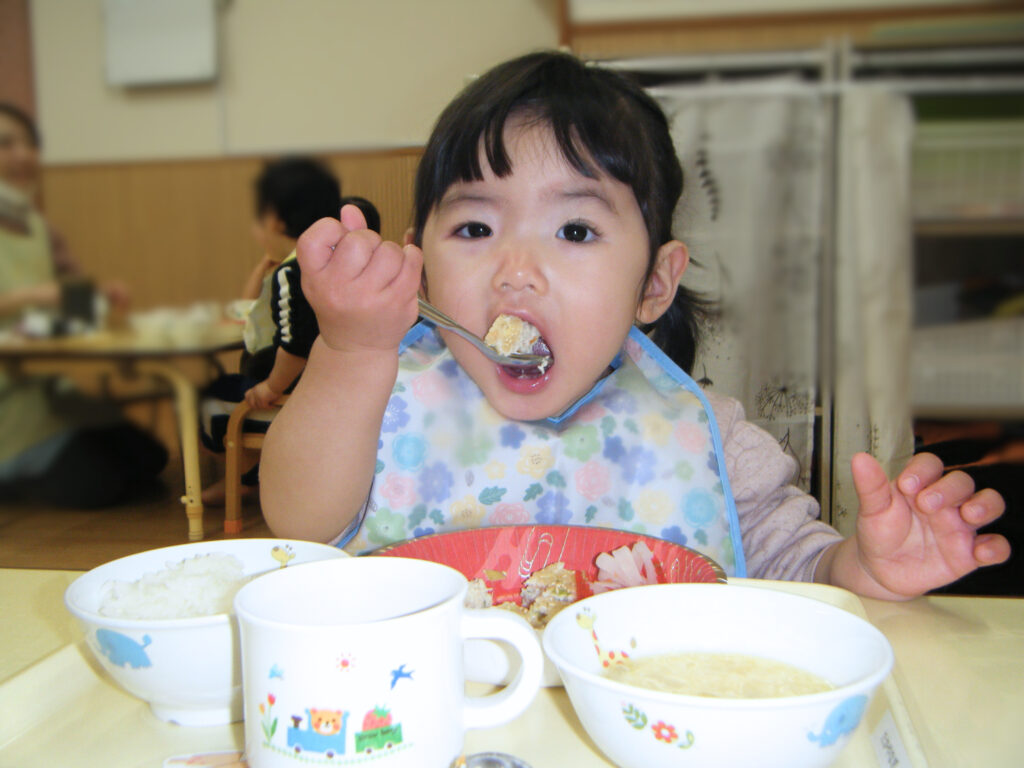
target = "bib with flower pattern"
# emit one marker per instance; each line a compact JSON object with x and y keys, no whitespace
{"x":640,"y":452}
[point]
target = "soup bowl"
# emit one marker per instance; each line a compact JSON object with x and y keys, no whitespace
{"x":638,"y":727}
{"x":188,"y":668}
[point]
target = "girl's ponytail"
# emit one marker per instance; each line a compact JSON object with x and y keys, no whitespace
{"x":679,"y":330}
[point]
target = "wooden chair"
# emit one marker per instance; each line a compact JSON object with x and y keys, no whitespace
{"x":236,"y":440}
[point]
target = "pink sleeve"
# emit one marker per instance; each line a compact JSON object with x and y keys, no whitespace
{"x":782,"y":535}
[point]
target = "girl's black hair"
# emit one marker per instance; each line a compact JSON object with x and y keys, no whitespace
{"x":300,"y":190}
{"x":20,"y":116}
{"x":598,"y":117}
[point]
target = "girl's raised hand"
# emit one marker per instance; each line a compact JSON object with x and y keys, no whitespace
{"x":920,"y":532}
{"x":362,"y":288}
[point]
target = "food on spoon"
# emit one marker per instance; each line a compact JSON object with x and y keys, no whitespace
{"x":511,"y":335}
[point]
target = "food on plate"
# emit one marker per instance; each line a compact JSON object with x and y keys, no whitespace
{"x":717,"y":675}
{"x":203,"y":585}
{"x":548,"y":590}
{"x":512,"y":335}
{"x":625,"y":567}
{"x":544,"y":593}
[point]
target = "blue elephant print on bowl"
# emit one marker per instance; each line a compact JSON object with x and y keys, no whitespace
{"x":122,"y":650}
{"x":841,"y":721}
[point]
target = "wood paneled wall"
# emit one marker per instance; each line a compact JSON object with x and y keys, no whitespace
{"x":180,"y":231}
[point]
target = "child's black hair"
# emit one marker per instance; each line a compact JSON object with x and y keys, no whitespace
{"x":300,"y":191}
{"x":24,"y":119}
{"x":598,"y":117}
{"x":370,"y":212}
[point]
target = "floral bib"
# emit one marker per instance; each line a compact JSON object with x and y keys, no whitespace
{"x":640,"y":452}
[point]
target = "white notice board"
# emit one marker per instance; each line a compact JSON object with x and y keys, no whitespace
{"x":158,"y":42}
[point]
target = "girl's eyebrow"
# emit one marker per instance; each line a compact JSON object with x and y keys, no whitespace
{"x":586,"y":193}
{"x":572,"y":193}
{"x":465,"y":196}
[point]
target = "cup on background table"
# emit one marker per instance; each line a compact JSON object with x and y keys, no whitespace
{"x":363,"y":656}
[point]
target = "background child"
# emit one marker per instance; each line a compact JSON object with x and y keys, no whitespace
{"x":290,"y":195}
{"x":546,"y":192}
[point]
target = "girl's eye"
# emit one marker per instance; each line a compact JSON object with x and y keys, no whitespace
{"x":576,"y":232}
{"x":473,"y":229}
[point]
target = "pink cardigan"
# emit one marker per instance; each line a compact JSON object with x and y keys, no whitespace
{"x":782,"y":535}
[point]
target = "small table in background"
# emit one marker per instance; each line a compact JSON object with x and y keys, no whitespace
{"x":128,"y":354}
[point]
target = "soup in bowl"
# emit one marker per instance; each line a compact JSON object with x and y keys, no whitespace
{"x":729,"y":675}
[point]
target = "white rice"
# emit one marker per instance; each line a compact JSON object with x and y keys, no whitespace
{"x":203,"y":585}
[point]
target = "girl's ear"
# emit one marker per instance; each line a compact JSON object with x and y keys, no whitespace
{"x":669,"y":265}
{"x":408,"y":237}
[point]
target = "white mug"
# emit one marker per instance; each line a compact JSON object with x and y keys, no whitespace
{"x":363,"y":657}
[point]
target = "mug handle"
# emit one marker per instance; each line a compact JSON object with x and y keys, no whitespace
{"x":513,"y":699}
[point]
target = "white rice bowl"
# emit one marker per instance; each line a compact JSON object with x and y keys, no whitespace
{"x":160,"y":622}
{"x":202,"y":585}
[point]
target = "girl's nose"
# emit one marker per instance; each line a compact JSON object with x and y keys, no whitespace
{"x":519,"y":270}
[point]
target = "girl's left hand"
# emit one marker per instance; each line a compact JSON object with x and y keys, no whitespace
{"x":920,"y":532}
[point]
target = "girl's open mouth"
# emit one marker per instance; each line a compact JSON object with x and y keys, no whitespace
{"x":540,"y":347}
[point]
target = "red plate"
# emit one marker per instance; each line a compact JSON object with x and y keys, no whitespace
{"x":504,"y":556}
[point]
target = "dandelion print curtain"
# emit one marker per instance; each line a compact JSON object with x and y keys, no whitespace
{"x":874,"y":261}
{"x":751,"y":216}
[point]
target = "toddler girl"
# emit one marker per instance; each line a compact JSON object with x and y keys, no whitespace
{"x":546,"y":192}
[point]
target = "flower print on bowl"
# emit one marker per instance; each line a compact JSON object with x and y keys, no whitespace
{"x":435,"y":482}
{"x":593,"y":480}
{"x":656,"y":428}
{"x":509,"y":513}
{"x":399,"y":490}
{"x":495,"y":469}
{"x":581,"y":441}
{"x":535,"y":460}
{"x":653,"y":506}
{"x":409,"y":451}
{"x":385,"y":527}
{"x":467,"y":512}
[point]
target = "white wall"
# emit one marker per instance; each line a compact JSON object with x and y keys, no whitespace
{"x":296,"y":75}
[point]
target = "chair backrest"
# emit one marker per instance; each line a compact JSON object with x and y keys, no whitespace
{"x":236,"y":439}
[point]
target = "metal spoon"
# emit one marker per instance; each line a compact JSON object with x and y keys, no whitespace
{"x":433,"y":314}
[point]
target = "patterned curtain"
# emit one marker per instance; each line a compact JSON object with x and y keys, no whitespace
{"x":754,"y":163}
{"x":874,"y":262}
